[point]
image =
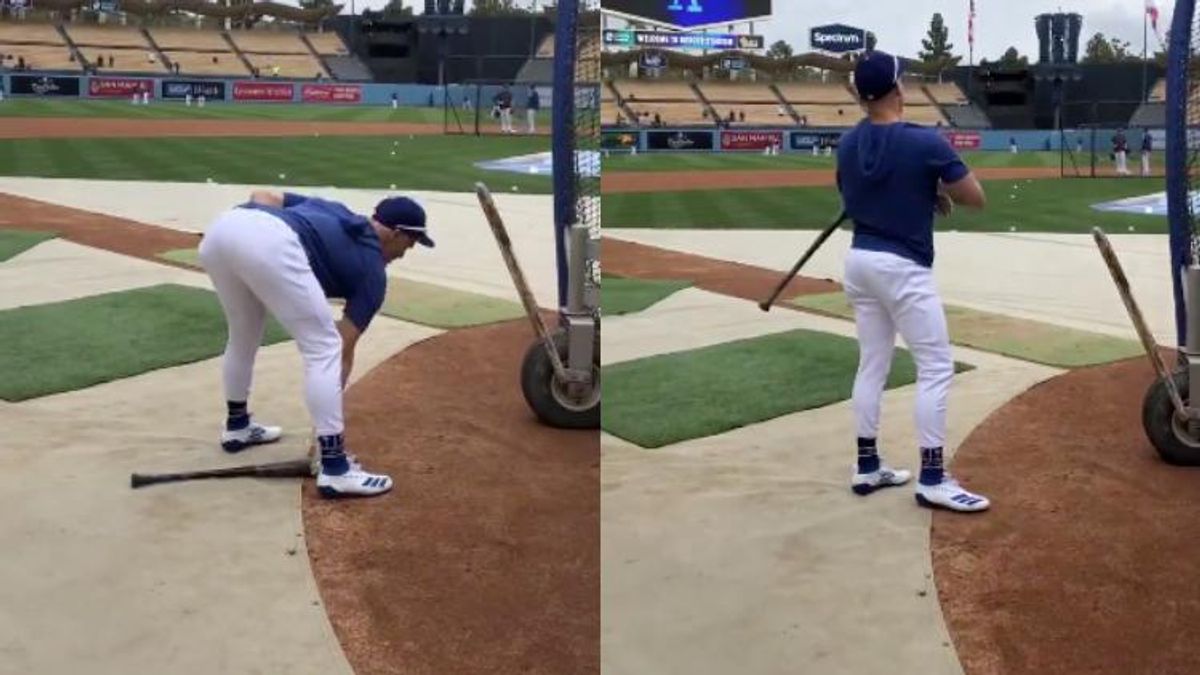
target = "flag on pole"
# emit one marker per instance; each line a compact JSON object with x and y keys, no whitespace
{"x":971,"y":23}
{"x":1152,"y":10}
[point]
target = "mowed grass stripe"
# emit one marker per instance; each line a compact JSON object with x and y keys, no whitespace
{"x":1044,"y":205}
{"x":421,"y":162}
{"x":71,"y":345}
{"x":670,"y":398}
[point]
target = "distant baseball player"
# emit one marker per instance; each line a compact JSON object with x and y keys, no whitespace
{"x":285,"y":254}
{"x":1120,"y":146}
{"x":894,"y":177}
{"x":1147,"y":148}
{"x":503,"y":102}
{"x":532,"y":104}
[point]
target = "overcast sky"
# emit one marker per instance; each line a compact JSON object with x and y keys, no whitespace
{"x":900,"y":24}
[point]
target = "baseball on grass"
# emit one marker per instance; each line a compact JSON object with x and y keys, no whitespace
{"x":1012,"y":229}
{"x":1131,"y":228}
{"x":282,"y":176}
{"x":392,"y":186}
{"x":514,"y":188}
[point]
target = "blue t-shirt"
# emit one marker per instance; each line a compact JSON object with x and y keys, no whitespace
{"x":343,"y":251}
{"x":535,"y":101}
{"x":888,"y":176}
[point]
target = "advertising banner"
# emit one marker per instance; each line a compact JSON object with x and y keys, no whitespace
{"x":751,"y":140}
{"x":806,"y":140}
{"x":679,"y":140}
{"x":331,"y":93}
{"x":39,"y":85}
{"x":263,"y":91}
{"x":837,"y":38}
{"x":964,"y":140}
{"x":119,"y":87}
{"x":649,"y":38}
{"x":691,"y":14}
{"x":193,"y":88}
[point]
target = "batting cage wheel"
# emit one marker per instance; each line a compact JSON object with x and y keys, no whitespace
{"x":567,"y":405}
{"x":1167,"y":431}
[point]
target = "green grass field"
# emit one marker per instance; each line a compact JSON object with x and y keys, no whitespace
{"x":15,"y":242}
{"x":1048,"y":205}
{"x":443,"y":163}
{"x":670,"y":398}
{"x":217,"y":111}
{"x":74,"y":344}
{"x":754,"y":161}
{"x":627,"y":296}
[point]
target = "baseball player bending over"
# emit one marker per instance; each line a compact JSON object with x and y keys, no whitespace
{"x":285,"y":253}
{"x":893,"y":177}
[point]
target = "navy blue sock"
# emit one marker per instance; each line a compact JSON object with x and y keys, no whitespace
{"x":239,"y":416}
{"x":868,"y":455}
{"x":333,"y":455}
{"x":931,"y":466}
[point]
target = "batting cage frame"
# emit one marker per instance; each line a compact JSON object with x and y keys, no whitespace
{"x":468,"y":108}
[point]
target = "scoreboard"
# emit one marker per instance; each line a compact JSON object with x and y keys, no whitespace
{"x":690,"y":14}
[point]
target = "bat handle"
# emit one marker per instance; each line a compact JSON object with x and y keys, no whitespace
{"x":764,"y":306}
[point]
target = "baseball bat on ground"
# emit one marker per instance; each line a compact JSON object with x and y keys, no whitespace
{"x":765,"y":305}
{"x":296,"y":468}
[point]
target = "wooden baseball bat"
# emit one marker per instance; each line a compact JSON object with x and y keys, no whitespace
{"x":765,"y":305}
{"x":295,"y":468}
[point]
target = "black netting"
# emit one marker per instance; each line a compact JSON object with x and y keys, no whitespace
{"x":587,"y":134}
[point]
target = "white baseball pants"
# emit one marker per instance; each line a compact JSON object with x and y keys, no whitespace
{"x":506,"y":119}
{"x":531,"y":118}
{"x":891,"y":294}
{"x":1145,"y":164}
{"x":1122,"y":166}
{"x":257,"y":264}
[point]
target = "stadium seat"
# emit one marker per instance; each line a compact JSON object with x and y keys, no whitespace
{"x":84,"y":36}
{"x":28,"y":32}
{"x":268,"y":42}
{"x":816,"y":92}
{"x":946,"y":93}
{"x":727,"y":92}
{"x":49,"y":57}
{"x":328,"y":44}
{"x":655,"y":90}
{"x":201,"y":63}
{"x":289,"y":65}
{"x":190,"y":39}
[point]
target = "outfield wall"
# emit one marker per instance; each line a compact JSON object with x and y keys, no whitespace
{"x":50,"y":85}
{"x":750,"y":139}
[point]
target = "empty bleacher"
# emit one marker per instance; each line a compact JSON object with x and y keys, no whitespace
{"x":328,"y":44}
{"x":90,"y":35}
{"x":125,"y":59}
{"x":201,"y":63}
{"x":40,"y":45}
{"x":271,"y":50}
{"x":924,"y":114}
{"x":190,"y":39}
{"x":771,"y":114}
{"x":718,"y":93}
{"x":829,"y":115}
{"x":815,"y":92}
{"x":946,"y":93}
{"x":674,"y":101}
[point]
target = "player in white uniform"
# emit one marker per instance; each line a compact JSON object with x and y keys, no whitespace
{"x":893,"y":177}
{"x":285,"y":254}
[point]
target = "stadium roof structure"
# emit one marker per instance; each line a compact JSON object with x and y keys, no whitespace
{"x":248,"y":10}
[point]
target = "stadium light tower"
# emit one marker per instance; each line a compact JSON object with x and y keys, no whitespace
{"x":443,"y":18}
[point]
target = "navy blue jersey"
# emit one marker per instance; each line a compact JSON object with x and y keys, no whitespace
{"x":888,"y":175}
{"x":534,"y":101}
{"x":343,"y":251}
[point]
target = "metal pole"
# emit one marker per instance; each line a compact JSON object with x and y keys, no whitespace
{"x":1144,"y":40}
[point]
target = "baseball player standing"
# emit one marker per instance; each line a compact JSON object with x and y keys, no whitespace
{"x":285,"y":254}
{"x":1147,"y":148}
{"x":1121,"y":152}
{"x":532,"y":104}
{"x":503,"y":102}
{"x":893,"y":177}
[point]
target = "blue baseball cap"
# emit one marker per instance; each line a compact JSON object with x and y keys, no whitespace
{"x":404,"y":214}
{"x":876,"y":75}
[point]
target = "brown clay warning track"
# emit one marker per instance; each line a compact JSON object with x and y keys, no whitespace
{"x":675,"y":181}
{"x":67,"y":127}
{"x":1086,"y":562}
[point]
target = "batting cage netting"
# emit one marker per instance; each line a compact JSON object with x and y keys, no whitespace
{"x":1183,"y":139}
{"x":576,"y":142}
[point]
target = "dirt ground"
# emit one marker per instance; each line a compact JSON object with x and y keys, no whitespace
{"x":1085,"y":563}
{"x":486,"y":557}
{"x":92,"y":127}
{"x":664,"y":181}
{"x":629,"y":259}
{"x":92,"y":229}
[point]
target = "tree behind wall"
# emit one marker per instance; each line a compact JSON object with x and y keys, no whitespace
{"x":936,"y":54}
{"x":779,"y":50}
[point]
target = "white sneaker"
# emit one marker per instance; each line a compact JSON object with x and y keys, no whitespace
{"x":948,"y":494}
{"x":252,"y":434}
{"x":353,"y":483}
{"x":884,"y":476}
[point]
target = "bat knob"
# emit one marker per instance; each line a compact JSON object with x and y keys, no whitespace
{"x":766,"y":307}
